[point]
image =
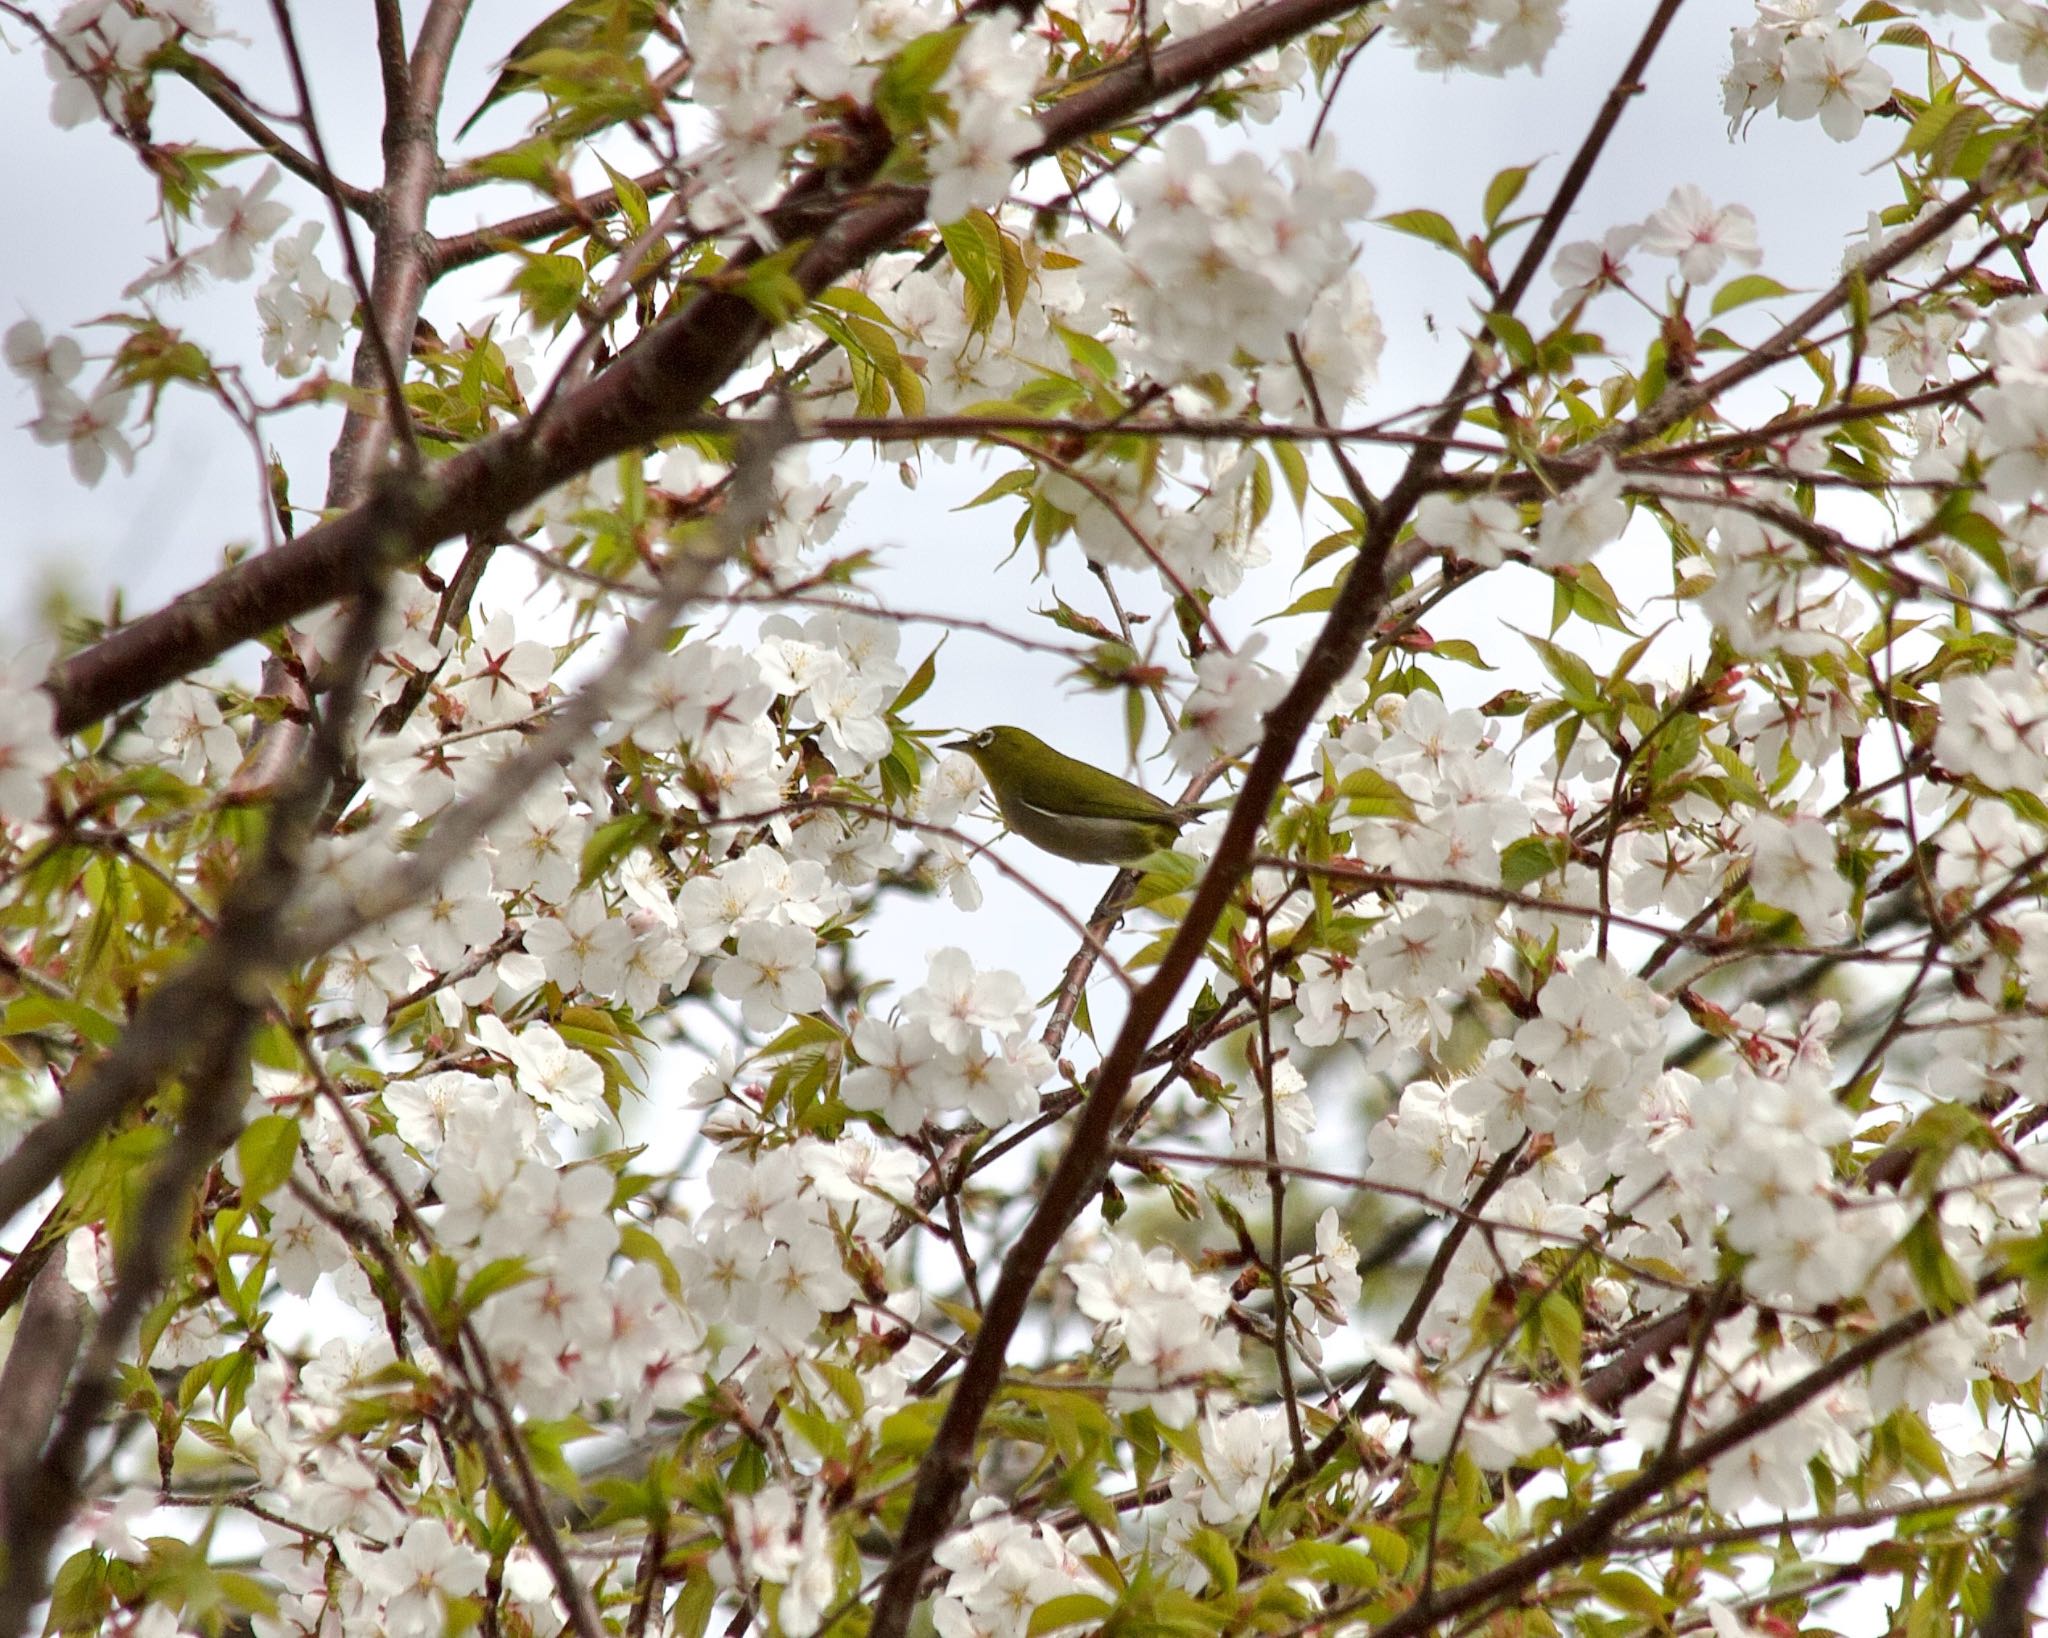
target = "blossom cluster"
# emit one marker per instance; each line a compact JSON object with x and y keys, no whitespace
{"x":303,"y":310}
{"x":1222,"y":258}
{"x":1660,"y":1027}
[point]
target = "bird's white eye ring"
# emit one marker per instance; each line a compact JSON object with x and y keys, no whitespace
{"x":985,"y":738}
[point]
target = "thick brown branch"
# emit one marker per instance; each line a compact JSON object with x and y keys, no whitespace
{"x":46,"y":1495}
{"x":402,"y":270}
{"x":32,"y":1387}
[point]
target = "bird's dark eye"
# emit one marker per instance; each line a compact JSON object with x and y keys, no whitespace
{"x":985,"y":738}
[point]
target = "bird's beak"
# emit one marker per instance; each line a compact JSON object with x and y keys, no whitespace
{"x":955,"y":745}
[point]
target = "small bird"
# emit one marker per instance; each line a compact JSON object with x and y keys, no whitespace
{"x":1067,"y":807}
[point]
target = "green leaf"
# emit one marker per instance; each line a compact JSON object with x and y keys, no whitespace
{"x":1089,"y":354}
{"x":823,"y":1434}
{"x":1563,"y":1329}
{"x":613,"y":840}
{"x":1069,"y":1610}
{"x":1344,"y":540}
{"x":632,"y":197}
{"x":1262,"y":490}
{"x":1329,"y":1561}
{"x":1371,"y":793}
{"x":975,"y":243}
{"x":1943,"y":1285}
{"x":1461,"y":651}
{"x":1294,"y":468}
{"x":907,"y":1433}
{"x":770,"y":286}
{"x":1981,"y":536}
{"x":31,"y":1014}
{"x":1505,"y":188}
{"x":499,"y":1274}
{"x":804,"y":1032}
{"x":691,"y":1617}
{"x":1010,"y":483}
{"x":1316,"y":601}
{"x":267,"y":1150}
{"x":1631,"y":1593}
{"x":1931,"y":122}
{"x":1750,"y":287}
{"x":1429,"y":225}
{"x":549,"y":288}
{"x":1677,"y":748}
{"x":1212,"y":1550}
{"x":903,"y":92}
{"x":1584,"y":591}
{"x":1581,"y":688}
{"x":920,"y":680}
{"x":1514,"y":337}
{"x":1529,"y":859}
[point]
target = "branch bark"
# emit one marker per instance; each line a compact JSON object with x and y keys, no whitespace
{"x":1590,"y":1533}
{"x":32,"y":1386}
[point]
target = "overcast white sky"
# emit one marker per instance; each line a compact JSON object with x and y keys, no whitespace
{"x":81,"y":229}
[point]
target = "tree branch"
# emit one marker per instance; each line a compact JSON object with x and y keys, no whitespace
{"x":215,"y":86}
{"x":1590,"y":1533}
{"x":47,"y":1495}
{"x":456,"y":250}
{"x":389,"y":378}
{"x":402,"y":268}
{"x":32,"y":1387}
{"x":392,"y":66}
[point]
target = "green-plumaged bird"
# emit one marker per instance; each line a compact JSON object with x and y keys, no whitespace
{"x":1069,"y":807}
{"x":581,"y":25}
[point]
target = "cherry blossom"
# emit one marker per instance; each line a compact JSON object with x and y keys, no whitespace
{"x":244,"y":218}
{"x":89,"y":427}
{"x":1630,"y":996}
{"x":1701,"y":236}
